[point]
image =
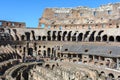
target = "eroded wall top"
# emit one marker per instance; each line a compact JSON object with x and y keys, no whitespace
{"x":81,"y":15}
{"x":11,"y":24}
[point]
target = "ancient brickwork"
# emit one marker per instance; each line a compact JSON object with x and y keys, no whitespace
{"x":71,"y":38}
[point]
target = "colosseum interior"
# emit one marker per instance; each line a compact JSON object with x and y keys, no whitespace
{"x":78,"y":43}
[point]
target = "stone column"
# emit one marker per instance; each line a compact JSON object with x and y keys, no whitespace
{"x":118,"y":65}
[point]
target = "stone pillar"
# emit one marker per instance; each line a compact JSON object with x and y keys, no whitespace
{"x":118,"y":65}
{"x":71,"y":55}
{"x":107,"y":39}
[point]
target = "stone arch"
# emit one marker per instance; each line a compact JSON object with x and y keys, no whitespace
{"x":111,"y":38}
{"x":118,"y":38}
{"x":39,"y":37}
{"x":53,"y":53}
{"x":49,"y":35}
{"x":64,"y":35}
{"x":54,"y":35}
{"x":48,"y":52}
{"x":30,"y":51}
{"x":60,"y":28}
{"x":69,"y":36}
{"x":59,"y":36}
{"x":49,"y":38}
{"x":27,"y":36}
{"x":98,"y":38}
{"x":86,"y":34}
{"x":104,"y":37}
{"x":44,"y":53}
{"x":74,"y":36}
{"x":118,"y":77}
{"x":42,"y":25}
{"x":39,"y":52}
{"x":44,"y":38}
{"x":22,"y":37}
{"x":17,"y":38}
{"x":80,"y":36}
{"x":47,"y":66}
{"x":33,"y":34}
{"x":53,"y":66}
{"x":99,"y":33}
{"x":91,"y":38}
{"x":102,"y":73}
{"x":111,"y":76}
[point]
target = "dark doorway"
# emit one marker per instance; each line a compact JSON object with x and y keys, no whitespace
{"x":48,"y":51}
{"x":27,"y":36}
{"x":30,"y":51}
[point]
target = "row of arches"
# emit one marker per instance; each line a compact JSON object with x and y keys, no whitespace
{"x":109,"y":76}
{"x":76,"y":36}
{"x":49,"y":53}
{"x":5,"y":57}
{"x":70,"y":36}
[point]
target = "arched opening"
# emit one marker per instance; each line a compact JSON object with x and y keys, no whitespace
{"x":49,"y":36}
{"x":33,"y":35}
{"x":27,"y":36}
{"x":60,"y":28}
{"x":107,"y":63}
{"x":42,"y":25}
{"x":44,"y":38}
{"x":48,"y":33}
{"x":80,"y":37}
{"x":74,"y":60}
{"x":86,"y":34}
{"x":59,"y":35}
{"x":104,"y":38}
{"x":111,"y":38}
{"x":47,"y":66}
{"x":53,"y":53}
{"x":100,"y":32}
{"x":110,"y":76}
{"x":117,"y":25}
{"x":74,"y":36}
{"x":17,"y":38}
{"x":39,"y":37}
{"x":44,"y":53}
{"x":49,"y":27}
{"x":39,"y":52}
{"x":69,"y":36}
{"x":64,"y":34}
{"x":118,"y":77}
{"x":30,"y":51}
{"x":102,"y":73}
{"x":54,"y":35}
{"x":22,"y":37}
{"x":98,"y":38}
{"x":118,"y":38}
{"x":92,"y":36}
{"x":53,"y":66}
{"x":48,"y":52}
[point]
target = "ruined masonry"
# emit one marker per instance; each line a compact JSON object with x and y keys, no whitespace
{"x":78,"y":43}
